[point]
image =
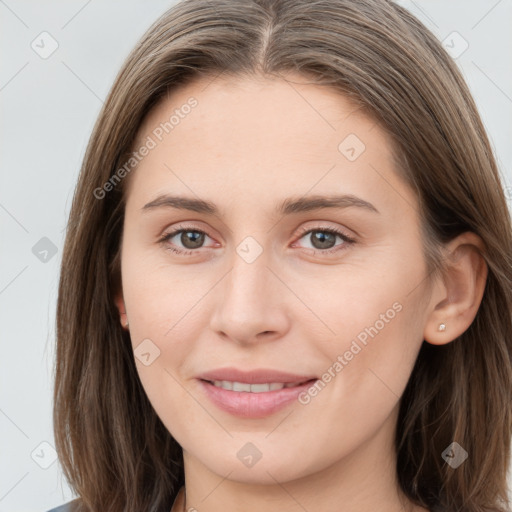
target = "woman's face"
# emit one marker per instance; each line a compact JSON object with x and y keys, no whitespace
{"x":300,"y":252}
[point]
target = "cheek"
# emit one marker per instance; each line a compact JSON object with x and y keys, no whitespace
{"x":362,"y":313}
{"x":343,"y":310}
{"x":163,"y":325}
{"x":376,"y":335}
{"x":361,"y":385}
{"x":366,"y":303}
{"x":161,"y":298}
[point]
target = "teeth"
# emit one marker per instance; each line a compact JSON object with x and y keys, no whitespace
{"x":252,"y":388}
{"x":239,"y":386}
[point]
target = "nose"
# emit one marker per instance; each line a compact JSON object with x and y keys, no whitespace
{"x":251,"y":304}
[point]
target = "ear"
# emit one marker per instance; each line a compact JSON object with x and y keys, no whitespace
{"x":119,"y":301}
{"x":455,"y":300}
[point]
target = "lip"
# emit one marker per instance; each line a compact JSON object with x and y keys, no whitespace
{"x":253,"y":405}
{"x":258,"y":376}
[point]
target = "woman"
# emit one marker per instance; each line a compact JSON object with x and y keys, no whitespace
{"x":286,"y":283}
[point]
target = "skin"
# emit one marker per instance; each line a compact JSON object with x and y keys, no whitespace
{"x":249,"y":144}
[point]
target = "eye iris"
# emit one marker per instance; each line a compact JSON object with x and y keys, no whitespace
{"x":196,"y":239}
{"x":321,"y":237}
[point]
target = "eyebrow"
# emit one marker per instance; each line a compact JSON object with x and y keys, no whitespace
{"x":287,"y":207}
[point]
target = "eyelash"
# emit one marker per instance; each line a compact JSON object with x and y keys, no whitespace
{"x":304,"y":231}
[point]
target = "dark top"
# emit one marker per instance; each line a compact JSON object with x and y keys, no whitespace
{"x":62,"y":508}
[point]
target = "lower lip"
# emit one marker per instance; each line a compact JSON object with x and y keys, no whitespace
{"x":253,"y":405}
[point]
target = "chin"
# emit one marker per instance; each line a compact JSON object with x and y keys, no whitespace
{"x":264,"y":471}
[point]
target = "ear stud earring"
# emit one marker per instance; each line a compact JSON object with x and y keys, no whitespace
{"x":442,"y":327}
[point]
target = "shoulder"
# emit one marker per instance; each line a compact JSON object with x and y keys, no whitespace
{"x":63,"y":508}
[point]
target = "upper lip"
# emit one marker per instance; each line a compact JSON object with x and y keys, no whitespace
{"x":258,"y":376}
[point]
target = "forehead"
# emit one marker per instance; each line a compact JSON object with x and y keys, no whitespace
{"x":262,"y":135}
{"x":290,"y":105}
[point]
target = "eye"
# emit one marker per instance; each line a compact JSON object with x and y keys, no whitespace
{"x":191,"y":238}
{"x":323,"y":239}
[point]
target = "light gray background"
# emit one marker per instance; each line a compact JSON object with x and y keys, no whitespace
{"x":48,"y":108}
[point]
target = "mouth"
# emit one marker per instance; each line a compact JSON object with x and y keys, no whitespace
{"x":246,"y":387}
{"x":246,"y":400}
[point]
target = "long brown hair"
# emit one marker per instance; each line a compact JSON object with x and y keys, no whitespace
{"x":115,"y":452}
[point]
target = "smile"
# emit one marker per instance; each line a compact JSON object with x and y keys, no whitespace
{"x":253,"y":388}
{"x":252,"y":400}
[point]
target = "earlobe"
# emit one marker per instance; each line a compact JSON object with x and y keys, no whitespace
{"x":461,"y":289}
